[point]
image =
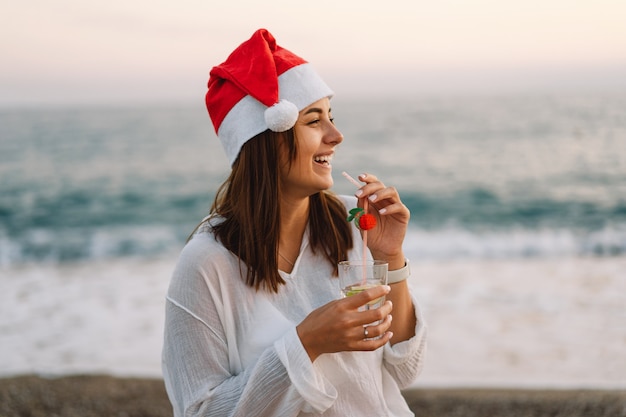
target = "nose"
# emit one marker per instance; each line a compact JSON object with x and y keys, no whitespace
{"x":333,"y":135}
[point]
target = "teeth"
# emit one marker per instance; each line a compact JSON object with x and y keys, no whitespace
{"x":326,"y":158}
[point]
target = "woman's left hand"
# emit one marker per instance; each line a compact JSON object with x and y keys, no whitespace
{"x":385,"y":240}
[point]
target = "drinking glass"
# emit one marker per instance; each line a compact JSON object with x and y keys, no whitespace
{"x":357,"y":276}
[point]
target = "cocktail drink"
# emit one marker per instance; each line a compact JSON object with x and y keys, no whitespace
{"x":357,"y":288}
{"x":358,"y":276}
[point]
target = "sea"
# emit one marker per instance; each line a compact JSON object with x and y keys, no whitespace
{"x":517,"y":238}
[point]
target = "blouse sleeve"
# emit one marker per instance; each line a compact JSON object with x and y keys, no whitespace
{"x":405,"y":360}
{"x":198,"y":370}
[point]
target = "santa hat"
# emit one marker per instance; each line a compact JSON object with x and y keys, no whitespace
{"x":260,"y":86}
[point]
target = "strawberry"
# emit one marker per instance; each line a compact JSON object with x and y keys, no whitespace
{"x":364,"y":221}
{"x":367,"y":221}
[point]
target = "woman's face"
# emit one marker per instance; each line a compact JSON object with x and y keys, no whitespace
{"x":316,"y":136}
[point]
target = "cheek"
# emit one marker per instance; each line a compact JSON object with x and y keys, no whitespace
{"x":307,"y":149}
{"x":300,"y":165}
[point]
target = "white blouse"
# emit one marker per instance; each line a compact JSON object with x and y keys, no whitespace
{"x":230,"y":350}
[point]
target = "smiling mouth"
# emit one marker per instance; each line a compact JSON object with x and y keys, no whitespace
{"x":323,"y":160}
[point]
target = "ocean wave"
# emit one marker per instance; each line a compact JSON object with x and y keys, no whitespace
{"x":47,"y":246}
{"x":478,"y":207}
{"x":451,"y":243}
{"x":76,"y":225}
{"x":149,"y":241}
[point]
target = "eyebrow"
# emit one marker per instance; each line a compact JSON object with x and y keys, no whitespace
{"x":316,"y":110}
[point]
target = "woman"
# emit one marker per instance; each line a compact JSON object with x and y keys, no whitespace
{"x":254,"y":324}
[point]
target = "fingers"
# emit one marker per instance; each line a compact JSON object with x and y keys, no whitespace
{"x":340,"y":326}
{"x":376,"y":329}
{"x":386,"y":199}
{"x":366,"y":296}
{"x":376,"y":320}
{"x":372,"y":334}
{"x":367,"y":317}
{"x":370,"y":325}
{"x":372,"y":184}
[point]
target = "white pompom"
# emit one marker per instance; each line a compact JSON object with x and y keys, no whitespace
{"x":281,"y":116}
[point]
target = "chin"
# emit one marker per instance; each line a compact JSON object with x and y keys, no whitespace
{"x":327,"y":185}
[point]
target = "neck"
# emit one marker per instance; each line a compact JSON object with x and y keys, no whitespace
{"x":294,"y":216}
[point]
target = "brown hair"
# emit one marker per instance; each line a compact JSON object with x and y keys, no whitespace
{"x":248,"y":203}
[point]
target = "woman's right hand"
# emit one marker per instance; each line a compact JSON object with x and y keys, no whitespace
{"x":339,"y":325}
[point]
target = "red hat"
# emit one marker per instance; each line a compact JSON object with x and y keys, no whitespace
{"x":260,"y":86}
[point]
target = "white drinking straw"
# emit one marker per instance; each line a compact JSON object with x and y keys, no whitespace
{"x":352,"y":180}
{"x":365,"y":208}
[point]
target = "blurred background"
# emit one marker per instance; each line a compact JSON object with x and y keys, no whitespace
{"x":503,"y":125}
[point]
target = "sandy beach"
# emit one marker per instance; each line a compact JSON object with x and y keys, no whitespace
{"x":98,"y":396}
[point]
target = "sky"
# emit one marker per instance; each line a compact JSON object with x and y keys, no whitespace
{"x":118,"y":51}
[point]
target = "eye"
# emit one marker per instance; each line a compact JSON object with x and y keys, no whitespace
{"x":313,"y":122}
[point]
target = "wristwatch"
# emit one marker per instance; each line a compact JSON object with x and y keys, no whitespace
{"x":399,"y":274}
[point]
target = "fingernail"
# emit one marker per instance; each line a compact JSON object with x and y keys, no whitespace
{"x":390,"y":335}
{"x":382,"y":211}
{"x":362,"y":176}
{"x":359,"y":193}
{"x":373,"y":197}
{"x":387,"y":288}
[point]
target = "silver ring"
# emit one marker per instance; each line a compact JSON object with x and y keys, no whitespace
{"x":365,"y":332}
